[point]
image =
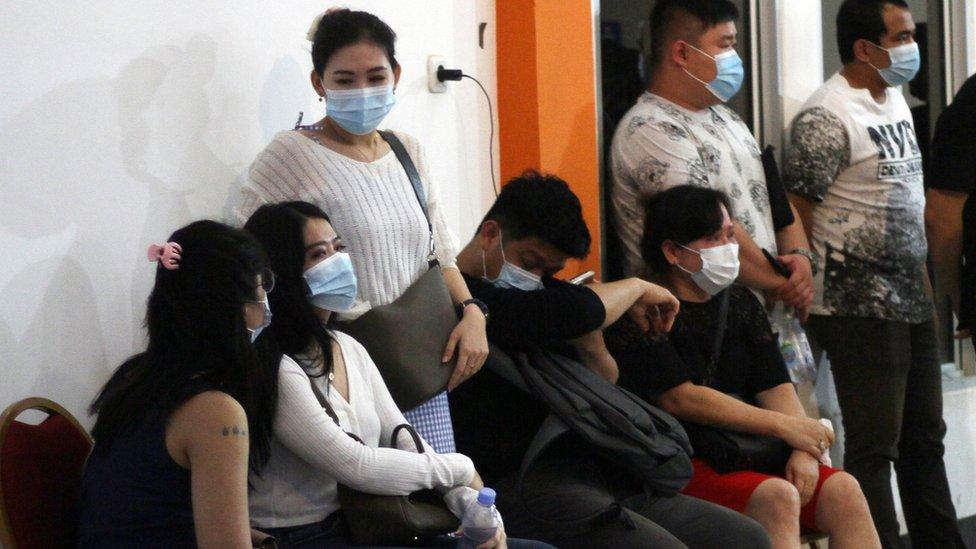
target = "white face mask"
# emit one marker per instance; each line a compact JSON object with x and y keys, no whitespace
{"x":720,"y":267}
{"x":512,"y":276}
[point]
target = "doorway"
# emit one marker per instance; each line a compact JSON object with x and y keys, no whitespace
{"x":624,"y":53}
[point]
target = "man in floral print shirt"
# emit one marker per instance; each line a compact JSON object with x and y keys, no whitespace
{"x":680,"y":132}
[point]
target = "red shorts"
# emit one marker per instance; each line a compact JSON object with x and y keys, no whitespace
{"x":733,"y":490}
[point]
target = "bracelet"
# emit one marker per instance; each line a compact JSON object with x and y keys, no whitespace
{"x":473,"y":301}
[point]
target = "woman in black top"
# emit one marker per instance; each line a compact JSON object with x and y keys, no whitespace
{"x":179,"y":424}
{"x":688,"y":241}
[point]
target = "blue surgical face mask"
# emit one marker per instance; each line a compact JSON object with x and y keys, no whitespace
{"x":512,"y":276}
{"x":359,"y":111}
{"x":332,"y":283}
{"x":729,"y":74}
{"x":905,"y":62}
{"x":264,"y":323}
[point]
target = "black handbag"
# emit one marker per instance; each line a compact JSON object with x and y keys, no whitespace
{"x":406,"y":338}
{"x":728,"y":451}
{"x":373,"y":519}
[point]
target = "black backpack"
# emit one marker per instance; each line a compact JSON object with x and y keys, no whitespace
{"x":650,"y":443}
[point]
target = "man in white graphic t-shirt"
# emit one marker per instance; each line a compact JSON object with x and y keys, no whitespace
{"x":854,"y":171}
{"x":679,"y":132}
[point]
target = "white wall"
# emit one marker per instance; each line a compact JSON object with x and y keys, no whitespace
{"x":800,"y":60}
{"x":122,"y":121}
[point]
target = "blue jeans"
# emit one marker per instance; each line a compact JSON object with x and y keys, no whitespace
{"x":332,"y":533}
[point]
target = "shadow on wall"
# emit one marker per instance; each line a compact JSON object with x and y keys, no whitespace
{"x":103,"y":167}
{"x":285,"y":90}
{"x":164,"y":113}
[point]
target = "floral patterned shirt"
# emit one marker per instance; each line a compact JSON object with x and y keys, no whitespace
{"x":659,"y":145}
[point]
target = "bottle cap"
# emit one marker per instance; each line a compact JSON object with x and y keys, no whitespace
{"x":486,"y":497}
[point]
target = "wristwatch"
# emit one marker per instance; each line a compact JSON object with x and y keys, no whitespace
{"x":473,"y":301}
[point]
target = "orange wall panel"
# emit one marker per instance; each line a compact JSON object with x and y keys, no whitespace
{"x":518,"y":120}
{"x":547,"y":100}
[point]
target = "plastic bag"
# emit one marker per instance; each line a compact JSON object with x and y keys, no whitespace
{"x":793,"y":345}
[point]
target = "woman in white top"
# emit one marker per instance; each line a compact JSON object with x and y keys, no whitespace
{"x":344,"y":166}
{"x":294,"y":496}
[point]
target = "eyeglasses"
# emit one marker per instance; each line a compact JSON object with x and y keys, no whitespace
{"x":267,"y":280}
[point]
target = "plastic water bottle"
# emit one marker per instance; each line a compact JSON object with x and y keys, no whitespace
{"x":794,"y":345}
{"x":480,"y":520}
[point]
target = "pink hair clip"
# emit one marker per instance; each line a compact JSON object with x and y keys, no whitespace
{"x":168,"y":255}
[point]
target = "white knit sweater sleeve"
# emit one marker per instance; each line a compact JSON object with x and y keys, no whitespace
{"x":274,"y":176}
{"x":444,"y":238}
{"x":302,"y":426}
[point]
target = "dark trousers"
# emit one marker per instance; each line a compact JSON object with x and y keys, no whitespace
{"x":566,"y":486}
{"x":889,"y":385}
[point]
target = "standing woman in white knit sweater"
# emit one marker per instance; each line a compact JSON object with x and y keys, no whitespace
{"x":294,"y":496}
{"x":343,"y":165}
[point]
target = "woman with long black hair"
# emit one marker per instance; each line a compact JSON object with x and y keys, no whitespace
{"x":294,"y":497}
{"x":176,"y":424}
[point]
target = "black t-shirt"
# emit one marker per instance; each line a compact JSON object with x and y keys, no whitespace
{"x":954,"y":144}
{"x":749,"y":362}
{"x":494,"y":421}
{"x":954,"y":169}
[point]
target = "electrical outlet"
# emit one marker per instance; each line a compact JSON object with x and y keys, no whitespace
{"x":433,"y":62}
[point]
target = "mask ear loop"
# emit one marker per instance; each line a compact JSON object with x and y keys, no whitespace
{"x":699,"y":80}
{"x":484,"y":263}
{"x":680,"y":266}
{"x":882,"y":48}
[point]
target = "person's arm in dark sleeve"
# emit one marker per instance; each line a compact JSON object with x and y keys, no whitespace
{"x":767,"y":369}
{"x":519,"y":319}
{"x":950,"y":179}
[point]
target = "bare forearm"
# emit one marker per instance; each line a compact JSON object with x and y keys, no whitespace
{"x":782,"y":398}
{"x":792,"y":236}
{"x":803,"y":211}
{"x":754,"y":269}
{"x":707,"y":406}
{"x":943,"y":224}
{"x":455,"y":284}
{"x":618,"y":297}
{"x":594,"y":354}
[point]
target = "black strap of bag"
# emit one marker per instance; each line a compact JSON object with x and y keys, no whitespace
{"x":418,"y":188}
{"x":727,"y":450}
{"x":324,"y":402}
{"x":779,"y":204}
{"x":720,"y":324}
